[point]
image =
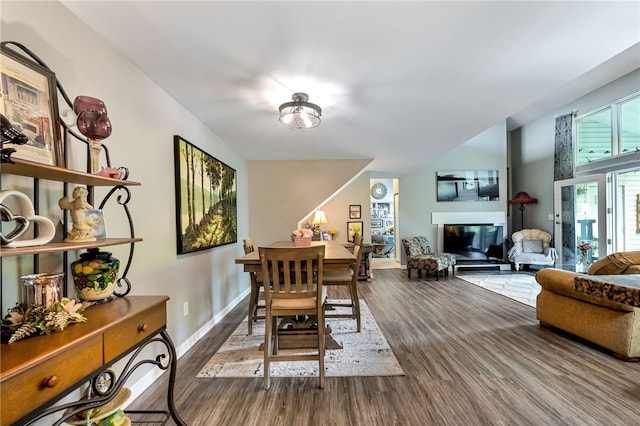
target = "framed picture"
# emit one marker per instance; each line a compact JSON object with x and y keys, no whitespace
{"x":206,"y":208}
{"x":468,"y":185}
{"x":29,"y":102}
{"x":377,"y":223}
{"x":355,"y":210}
{"x":380,"y":209}
{"x":353,"y":229}
{"x":99,"y":229}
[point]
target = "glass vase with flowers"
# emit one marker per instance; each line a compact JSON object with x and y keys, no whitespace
{"x":582,"y":261}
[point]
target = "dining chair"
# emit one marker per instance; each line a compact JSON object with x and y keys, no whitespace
{"x":293,"y":287}
{"x":357,"y":240}
{"x":348,"y":278}
{"x":254,"y":295}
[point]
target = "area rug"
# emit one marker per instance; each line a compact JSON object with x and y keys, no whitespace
{"x":518,"y":286}
{"x":364,"y":354}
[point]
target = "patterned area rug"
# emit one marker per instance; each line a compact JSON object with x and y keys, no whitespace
{"x":518,"y":286}
{"x":364,"y":354}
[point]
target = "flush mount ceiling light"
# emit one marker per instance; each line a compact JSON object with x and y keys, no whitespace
{"x":300,"y":114}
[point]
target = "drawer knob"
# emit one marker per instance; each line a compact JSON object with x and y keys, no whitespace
{"x":142,"y":327}
{"x":50,"y":381}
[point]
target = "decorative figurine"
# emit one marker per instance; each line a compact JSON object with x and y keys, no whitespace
{"x":82,"y":225}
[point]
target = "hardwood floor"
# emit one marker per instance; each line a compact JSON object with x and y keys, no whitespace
{"x":471,"y":357}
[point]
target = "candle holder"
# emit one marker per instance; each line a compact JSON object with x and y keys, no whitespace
{"x":93,"y":123}
{"x":42,"y":289}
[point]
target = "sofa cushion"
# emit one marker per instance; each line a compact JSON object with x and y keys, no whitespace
{"x":562,"y":282}
{"x":617,"y":263}
{"x":532,"y":246}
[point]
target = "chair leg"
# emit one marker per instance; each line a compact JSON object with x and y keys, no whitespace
{"x":274,"y":334}
{"x":253,"y":303}
{"x":321,"y":343}
{"x":267,"y":349}
{"x":408,"y":272}
{"x":356,"y":304}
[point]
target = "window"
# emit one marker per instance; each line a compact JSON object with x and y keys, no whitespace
{"x":630,"y":125}
{"x":609,"y":131}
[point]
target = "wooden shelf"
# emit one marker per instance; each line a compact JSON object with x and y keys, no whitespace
{"x":58,"y":247}
{"x":60,"y":174}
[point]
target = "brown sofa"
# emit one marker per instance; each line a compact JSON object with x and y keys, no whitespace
{"x":611,"y":325}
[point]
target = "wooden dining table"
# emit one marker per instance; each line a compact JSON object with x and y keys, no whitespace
{"x":336,"y":258}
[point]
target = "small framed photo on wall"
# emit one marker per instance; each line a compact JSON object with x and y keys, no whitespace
{"x":355,"y":211}
{"x":376,"y":223}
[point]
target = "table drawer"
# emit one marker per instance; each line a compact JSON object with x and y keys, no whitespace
{"x":28,"y":390}
{"x":124,"y":336}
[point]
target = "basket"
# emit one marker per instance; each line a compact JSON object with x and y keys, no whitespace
{"x":301,"y":241}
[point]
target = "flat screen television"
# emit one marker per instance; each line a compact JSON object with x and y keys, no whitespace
{"x":471,"y":241}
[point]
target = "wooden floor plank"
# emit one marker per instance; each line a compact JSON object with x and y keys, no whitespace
{"x":471,"y":357}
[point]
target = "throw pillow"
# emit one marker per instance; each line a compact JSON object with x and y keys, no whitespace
{"x":532,"y":246}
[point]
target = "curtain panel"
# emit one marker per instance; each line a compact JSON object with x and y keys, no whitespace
{"x":563,"y":159}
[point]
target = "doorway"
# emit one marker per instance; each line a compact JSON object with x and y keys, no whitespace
{"x":626,"y":210}
{"x":384,"y":217}
{"x":580,"y":216}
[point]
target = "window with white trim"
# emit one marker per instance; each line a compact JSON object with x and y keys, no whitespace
{"x":609,"y":131}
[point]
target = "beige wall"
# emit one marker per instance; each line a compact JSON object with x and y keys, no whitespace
{"x":284,"y":194}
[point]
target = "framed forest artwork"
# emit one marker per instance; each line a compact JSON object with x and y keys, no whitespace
{"x":206,"y":207}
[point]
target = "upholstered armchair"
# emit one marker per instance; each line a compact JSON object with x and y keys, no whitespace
{"x":420,"y":257}
{"x":532,"y":247}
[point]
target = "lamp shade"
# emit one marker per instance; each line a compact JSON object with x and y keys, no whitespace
{"x":523,"y":198}
{"x":319,"y":218}
{"x":300,"y":114}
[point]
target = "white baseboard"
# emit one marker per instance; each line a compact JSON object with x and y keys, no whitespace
{"x":148,"y":379}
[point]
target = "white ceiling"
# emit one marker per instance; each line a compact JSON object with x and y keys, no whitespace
{"x":399,"y":82}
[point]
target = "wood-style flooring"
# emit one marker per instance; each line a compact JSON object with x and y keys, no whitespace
{"x":471,"y":357}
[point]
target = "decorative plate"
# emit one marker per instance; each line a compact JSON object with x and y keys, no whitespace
{"x":379,"y":191}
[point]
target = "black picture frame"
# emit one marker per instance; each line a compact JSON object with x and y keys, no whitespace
{"x":30,"y":102}
{"x":468,"y":185}
{"x":206,"y":203}
{"x":354,"y":228}
{"x":355,"y":211}
{"x":376,"y":223}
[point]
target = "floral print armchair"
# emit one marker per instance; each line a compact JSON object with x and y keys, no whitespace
{"x":420,"y":257}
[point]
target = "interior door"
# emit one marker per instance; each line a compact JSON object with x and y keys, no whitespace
{"x":580,"y":215}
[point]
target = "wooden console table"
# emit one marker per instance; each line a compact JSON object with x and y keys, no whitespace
{"x":37,"y":372}
{"x":618,"y":288}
